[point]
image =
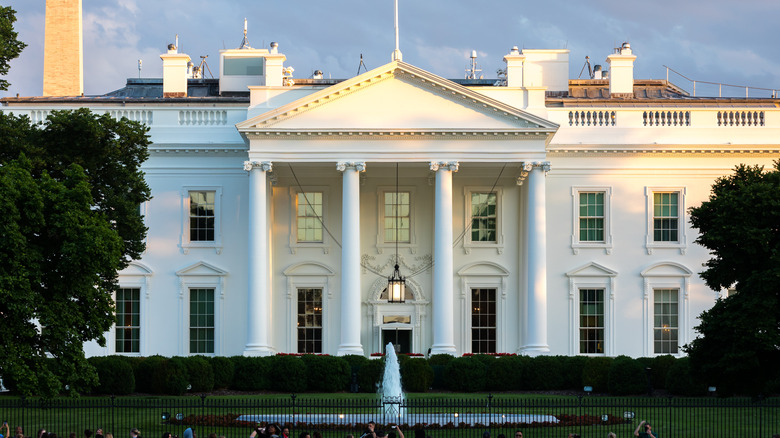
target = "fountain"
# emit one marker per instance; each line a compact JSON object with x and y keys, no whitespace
{"x":391,"y":394}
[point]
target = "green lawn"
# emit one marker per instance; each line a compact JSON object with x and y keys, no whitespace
{"x":694,"y":418}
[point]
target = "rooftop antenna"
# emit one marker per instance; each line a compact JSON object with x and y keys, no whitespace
{"x":177,"y":42}
{"x":140,"y":63}
{"x":204,"y":66}
{"x":397,"y":56}
{"x":245,"y":41}
{"x":472,"y":71}
{"x":361,"y":65}
{"x":590,"y":69}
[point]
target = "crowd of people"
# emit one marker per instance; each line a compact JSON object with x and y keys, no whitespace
{"x":272,"y":430}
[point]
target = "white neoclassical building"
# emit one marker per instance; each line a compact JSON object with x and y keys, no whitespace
{"x":530,"y":214}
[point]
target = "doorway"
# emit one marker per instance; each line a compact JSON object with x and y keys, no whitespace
{"x":401,"y":338}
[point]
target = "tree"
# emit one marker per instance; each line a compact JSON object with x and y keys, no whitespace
{"x":739,"y":346}
{"x":70,"y":190}
{"x":10,"y":47}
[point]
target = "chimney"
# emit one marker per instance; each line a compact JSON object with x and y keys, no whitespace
{"x":514,"y":67}
{"x":63,"y":58}
{"x":621,"y":76}
{"x":174,"y":72}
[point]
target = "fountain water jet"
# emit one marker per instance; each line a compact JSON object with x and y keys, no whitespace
{"x":391,"y":393}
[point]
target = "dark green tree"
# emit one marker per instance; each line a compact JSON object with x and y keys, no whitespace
{"x":70,"y":190}
{"x":739,"y":346}
{"x":10,"y":47}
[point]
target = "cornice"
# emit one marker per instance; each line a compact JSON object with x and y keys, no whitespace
{"x":395,"y":135}
{"x":562,"y":152}
{"x":194,"y":150}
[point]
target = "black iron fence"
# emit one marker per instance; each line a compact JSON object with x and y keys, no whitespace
{"x":436,"y":417}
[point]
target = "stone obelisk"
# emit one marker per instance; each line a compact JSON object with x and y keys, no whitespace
{"x":63,"y":59}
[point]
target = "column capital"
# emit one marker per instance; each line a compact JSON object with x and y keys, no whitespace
{"x":265,"y":166}
{"x":360,"y":166}
{"x":528,"y":166}
{"x":452,"y":166}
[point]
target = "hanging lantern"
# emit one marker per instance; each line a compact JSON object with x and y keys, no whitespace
{"x":396,"y":287}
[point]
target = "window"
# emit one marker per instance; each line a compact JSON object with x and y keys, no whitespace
{"x":592,"y":321}
{"x":484,"y":217}
{"x":591,"y":216}
{"x":128,"y":320}
{"x":665,"y":321}
{"x":591,"y":219}
{"x":243,"y":67}
{"x":666,"y":216}
{"x":309,"y":217}
{"x":397,"y":217}
{"x":202,"y":218}
{"x":201,"y":321}
{"x":483,"y":320}
{"x":309,"y":320}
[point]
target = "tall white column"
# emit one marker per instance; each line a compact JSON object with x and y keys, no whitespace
{"x":536,"y":303}
{"x":443,"y":271}
{"x":258,"y":301}
{"x":350,"y":258}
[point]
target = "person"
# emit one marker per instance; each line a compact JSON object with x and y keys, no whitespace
{"x":285,"y":432}
{"x":370,"y":431}
{"x":272,"y":431}
{"x":18,"y":431}
{"x":574,"y":435}
{"x":189,"y":433}
{"x":99,"y":433}
{"x":611,"y":435}
{"x":41,"y":433}
{"x":135,"y":433}
{"x":485,"y":434}
{"x":518,"y":434}
{"x":501,"y":435}
{"x":644,"y":430}
{"x":166,"y":435}
{"x":7,"y":430}
{"x":304,"y":435}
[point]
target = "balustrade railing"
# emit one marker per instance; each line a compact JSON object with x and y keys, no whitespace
{"x":666,"y":118}
{"x":740,"y":118}
{"x":592,"y":118}
{"x":202,"y":117}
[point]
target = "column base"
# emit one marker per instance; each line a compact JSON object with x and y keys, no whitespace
{"x":258,"y":350}
{"x":443,"y":349}
{"x":534,"y":350}
{"x":345,"y":350}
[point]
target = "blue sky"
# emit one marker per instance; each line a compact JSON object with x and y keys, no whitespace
{"x":733,"y":42}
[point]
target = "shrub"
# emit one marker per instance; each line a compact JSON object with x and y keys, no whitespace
{"x":115,"y":375}
{"x":466,"y":374}
{"x":544,"y":373}
{"x":370,"y":374}
{"x":356,"y":362}
{"x":596,"y":373}
{"x":251,"y":373}
{"x":326,"y":373}
{"x":416,"y":375}
{"x":660,"y":369}
{"x":627,"y":377}
{"x":680,"y":380}
{"x":175,"y":377}
{"x":572,"y":372}
{"x":223,"y":369}
{"x":200,"y":375}
{"x":287,"y":374}
{"x":505,"y":373}
{"x":440,"y":359}
{"x":146,"y":378}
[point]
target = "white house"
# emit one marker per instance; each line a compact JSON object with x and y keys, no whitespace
{"x":530,"y":214}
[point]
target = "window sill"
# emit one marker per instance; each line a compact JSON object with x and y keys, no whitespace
{"x":651,"y":247}
{"x":469,"y":246}
{"x":324,"y":247}
{"x":576,"y":247}
{"x":217,"y":246}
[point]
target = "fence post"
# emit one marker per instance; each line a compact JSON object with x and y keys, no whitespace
{"x":490,"y":413}
{"x":292,"y":409}
{"x":113,"y":407}
{"x":579,"y":418}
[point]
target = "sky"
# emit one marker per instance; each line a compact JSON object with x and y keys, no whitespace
{"x":723,"y":41}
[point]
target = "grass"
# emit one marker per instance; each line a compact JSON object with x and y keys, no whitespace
{"x":684,"y":418}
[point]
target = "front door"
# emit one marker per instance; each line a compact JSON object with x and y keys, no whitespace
{"x":401,"y":338}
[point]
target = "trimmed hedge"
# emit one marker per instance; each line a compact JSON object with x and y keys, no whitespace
{"x":623,"y":375}
{"x":115,"y":375}
{"x":416,"y":375}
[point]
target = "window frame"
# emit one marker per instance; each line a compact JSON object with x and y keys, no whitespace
{"x":676,"y":292}
{"x":576,"y":243}
{"x":485,"y":275}
{"x":200,"y":275}
{"x":470,"y":292}
{"x":681,"y":244}
{"x":592,"y":276}
{"x":213,"y":326}
{"x":117,"y":328}
{"x":321,"y":327}
{"x":381,"y":244}
{"x":186,"y":243}
{"x":324,"y":246}
{"x":603,"y":315}
{"x":135,"y":275}
{"x":469,"y":244}
{"x":308,"y":275}
{"x":666,"y":275}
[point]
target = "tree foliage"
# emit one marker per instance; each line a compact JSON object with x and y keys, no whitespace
{"x":739,"y":346}
{"x":10,"y":47}
{"x":70,"y":191}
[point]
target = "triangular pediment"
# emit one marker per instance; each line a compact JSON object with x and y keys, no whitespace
{"x":202,"y":269}
{"x":396,"y":97}
{"x":592,"y":269}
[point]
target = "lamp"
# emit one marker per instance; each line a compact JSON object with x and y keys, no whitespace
{"x":396,"y":284}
